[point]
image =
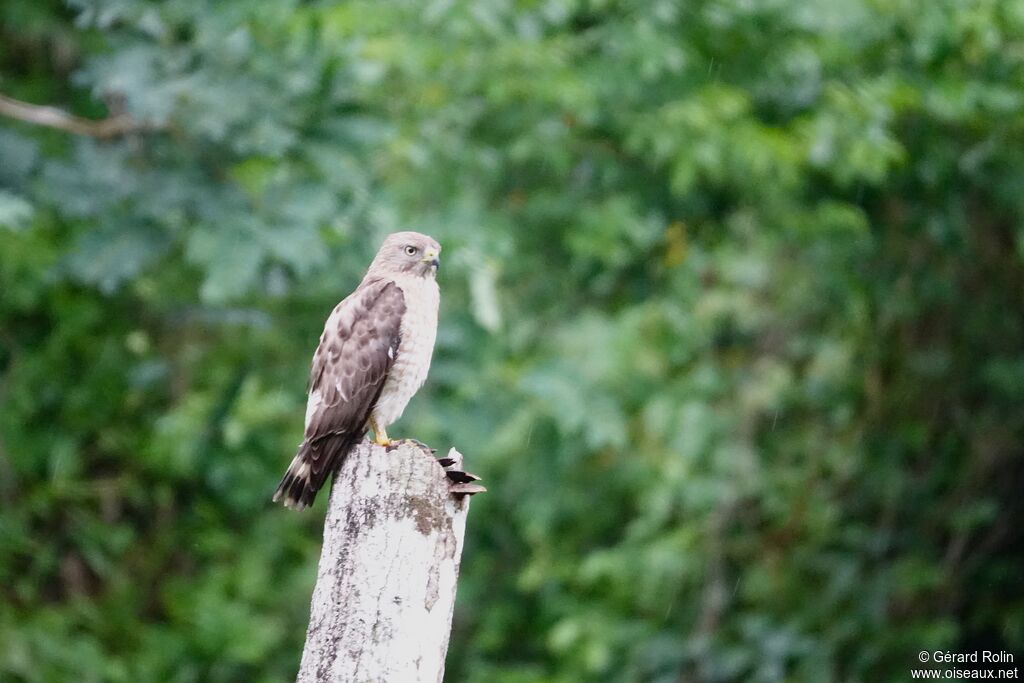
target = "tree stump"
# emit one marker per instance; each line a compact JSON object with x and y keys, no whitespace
{"x":385,"y":588}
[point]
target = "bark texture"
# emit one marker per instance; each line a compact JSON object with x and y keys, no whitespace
{"x":385,"y":588}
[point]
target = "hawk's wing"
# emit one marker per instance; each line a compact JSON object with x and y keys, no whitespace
{"x":356,"y":351}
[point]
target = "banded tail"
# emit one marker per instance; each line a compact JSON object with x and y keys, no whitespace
{"x":309,"y":469}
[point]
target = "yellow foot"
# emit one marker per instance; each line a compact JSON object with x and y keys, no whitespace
{"x":380,"y":437}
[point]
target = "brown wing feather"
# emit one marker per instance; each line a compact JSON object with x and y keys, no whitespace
{"x":356,"y":351}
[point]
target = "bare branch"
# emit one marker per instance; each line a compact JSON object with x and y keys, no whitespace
{"x":52,"y":117}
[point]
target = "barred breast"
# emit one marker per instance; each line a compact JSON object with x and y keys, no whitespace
{"x":412,"y":361}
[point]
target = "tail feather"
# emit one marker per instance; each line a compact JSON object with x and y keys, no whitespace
{"x":296,"y":489}
{"x":306,"y":474}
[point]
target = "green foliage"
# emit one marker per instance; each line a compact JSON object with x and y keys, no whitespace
{"x":732,"y":327}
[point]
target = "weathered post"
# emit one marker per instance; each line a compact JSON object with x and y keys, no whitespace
{"x":385,"y":587}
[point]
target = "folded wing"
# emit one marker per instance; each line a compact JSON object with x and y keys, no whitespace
{"x":357,"y":350}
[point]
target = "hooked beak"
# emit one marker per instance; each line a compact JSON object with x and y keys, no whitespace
{"x":431,"y":256}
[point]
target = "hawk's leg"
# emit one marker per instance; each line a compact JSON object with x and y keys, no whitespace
{"x":380,"y":437}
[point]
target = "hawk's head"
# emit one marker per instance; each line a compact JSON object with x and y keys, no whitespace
{"x":407,"y":253}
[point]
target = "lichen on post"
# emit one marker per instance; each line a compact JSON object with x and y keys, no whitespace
{"x":385,"y":588}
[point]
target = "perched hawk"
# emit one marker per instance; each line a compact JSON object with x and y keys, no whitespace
{"x":373,"y":356}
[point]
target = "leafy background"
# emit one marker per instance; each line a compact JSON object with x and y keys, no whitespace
{"x":732,"y":326}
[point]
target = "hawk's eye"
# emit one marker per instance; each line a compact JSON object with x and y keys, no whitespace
{"x":411,"y":250}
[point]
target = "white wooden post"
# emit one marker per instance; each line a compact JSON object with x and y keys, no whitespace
{"x":385,"y":588}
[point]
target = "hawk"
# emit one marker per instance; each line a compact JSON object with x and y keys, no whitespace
{"x":373,"y":356}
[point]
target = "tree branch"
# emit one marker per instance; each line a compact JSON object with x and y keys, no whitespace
{"x":52,"y":117}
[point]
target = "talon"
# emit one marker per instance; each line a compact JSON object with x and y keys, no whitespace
{"x":380,"y":436}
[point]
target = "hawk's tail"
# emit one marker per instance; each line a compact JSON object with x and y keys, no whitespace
{"x":309,"y":470}
{"x":296,"y":489}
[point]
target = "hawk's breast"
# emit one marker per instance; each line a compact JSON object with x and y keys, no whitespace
{"x":412,"y":361}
